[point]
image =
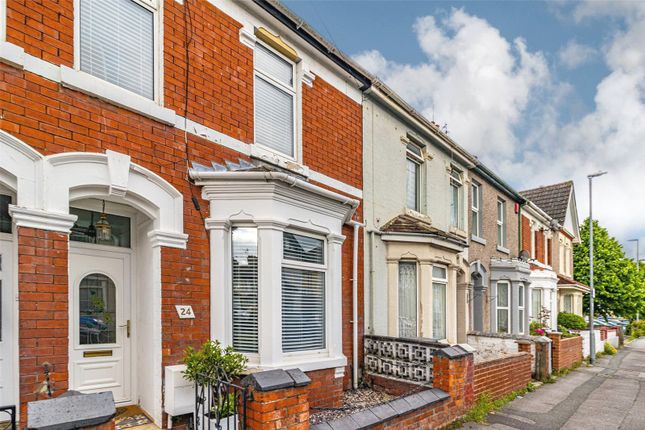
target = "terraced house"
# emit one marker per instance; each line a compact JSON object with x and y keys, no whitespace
{"x":172,"y":172}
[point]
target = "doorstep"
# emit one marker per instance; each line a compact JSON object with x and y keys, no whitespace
{"x":133,"y":417}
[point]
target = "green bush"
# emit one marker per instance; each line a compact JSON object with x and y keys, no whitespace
{"x":566,"y":333}
{"x":609,"y":349}
{"x":571,"y":321}
{"x":636,"y":329}
{"x":212,"y":362}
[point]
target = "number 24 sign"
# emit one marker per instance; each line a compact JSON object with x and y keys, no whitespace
{"x":185,"y":311}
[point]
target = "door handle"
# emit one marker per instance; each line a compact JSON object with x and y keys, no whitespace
{"x":127,"y":327}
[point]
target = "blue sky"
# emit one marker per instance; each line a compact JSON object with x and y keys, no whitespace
{"x":567,"y":81}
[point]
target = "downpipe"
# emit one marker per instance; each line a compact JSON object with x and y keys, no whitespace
{"x":357,"y":225}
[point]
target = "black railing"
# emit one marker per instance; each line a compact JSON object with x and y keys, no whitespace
{"x":220,"y":405}
{"x":11,"y":411}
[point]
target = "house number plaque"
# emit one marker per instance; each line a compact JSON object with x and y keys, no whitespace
{"x":185,"y":312}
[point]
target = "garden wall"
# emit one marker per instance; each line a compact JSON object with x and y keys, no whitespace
{"x":600,"y":346}
{"x":501,"y":376}
{"x":565,"y":352}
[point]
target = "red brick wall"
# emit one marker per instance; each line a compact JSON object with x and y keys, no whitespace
{"x":43,"y":298}
{"x":392,"y":386}
{"x":539,"y":246}
{"x":526,"y":234}
{"x":54,"y":119}
{"x":325,"y":391}
{"x":502,"y":376}
{"x":332,"y":127}
{"x":44,"y":28}
{"x":280,"y":409}
{"x":565,"y":353}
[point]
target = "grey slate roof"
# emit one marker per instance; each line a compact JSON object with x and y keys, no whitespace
{"x":552,"y":199}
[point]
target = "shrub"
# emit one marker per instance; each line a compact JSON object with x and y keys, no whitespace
{"x":566,"y":333}
{"x":212,"y":362}
{"x":636,"y":329}
{"x":571,"y":321}
{"x":609,"y":349}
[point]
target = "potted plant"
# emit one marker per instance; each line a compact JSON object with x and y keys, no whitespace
{"x":212,"y":369}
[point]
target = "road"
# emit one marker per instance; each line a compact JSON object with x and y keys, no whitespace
{"x":609,"y":395}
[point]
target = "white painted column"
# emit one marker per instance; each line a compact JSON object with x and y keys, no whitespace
{"x":335,"y":295}
{"x":220,"y":291}
{"x":452,"y":311}
{"x":270,"y":291}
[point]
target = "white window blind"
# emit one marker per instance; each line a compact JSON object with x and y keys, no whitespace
{"x":274,"y":101}
{"x":303,"y":294}
{"x":117,"y":43}
{"x":455,"y":197}
{"x":407,"y":299}
{"x":412,"y":186}
{"x":501,"y":227}
{"x":245,"y":289}
{"x":536,"y":303}
{"x":475,"y":221}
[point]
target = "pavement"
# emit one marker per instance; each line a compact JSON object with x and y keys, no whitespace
{"x":607,"y":396}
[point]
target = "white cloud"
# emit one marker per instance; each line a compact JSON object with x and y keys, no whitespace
{"x":500,"y":101}
{"x":472,"y":78}
{"x":574,"y":54}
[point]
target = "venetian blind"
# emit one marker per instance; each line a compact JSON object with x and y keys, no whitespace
{"x":117,"y":44}
{"x":245,"y":289}
{"x":303,"y":294}
{"x":274,"y":115}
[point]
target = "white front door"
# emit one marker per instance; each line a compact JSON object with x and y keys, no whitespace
{"x":7,"y":306}
{"x":100,"y":327}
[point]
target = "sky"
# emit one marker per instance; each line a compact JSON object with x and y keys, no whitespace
{"x":541,"y":92}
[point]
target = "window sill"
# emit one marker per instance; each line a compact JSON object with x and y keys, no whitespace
{"x":93,"y":86}
{"x":306,"y":364}
{"x":261,"y":153}
{"x":478,"y":239}
{"x":458,"y":231}
{"x":503,"y":250}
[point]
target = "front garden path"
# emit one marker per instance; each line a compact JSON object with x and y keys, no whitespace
{"x":609,"y":395}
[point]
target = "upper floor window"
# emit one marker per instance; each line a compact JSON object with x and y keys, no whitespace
{"x":117,"y":43}
{"x":414,"y":159}
{"x":501,"y":222}
{"x":476,"y":227}
{"x":455,"y":198}
{"x":275,"y":100}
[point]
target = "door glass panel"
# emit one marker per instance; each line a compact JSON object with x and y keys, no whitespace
{"x":84,"y":229}
{"x":97,"y":305}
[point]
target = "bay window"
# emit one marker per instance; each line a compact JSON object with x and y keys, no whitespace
{"x":439,"y":285}
{"x":117,"y":43}
{"x":568,"y":303}
{"x":407,"y":299}
{"x":503,"y":307}
{"x":275,"y":99}
{"x":245,"y":288}
{"x":536,"y":304}
{"x":303,"y":293}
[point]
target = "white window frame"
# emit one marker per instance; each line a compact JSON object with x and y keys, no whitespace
{"x":505,"y":308}
{"x":154,"y":6}
{"x":3,"y":21}
{"x":417,"y":159}
{"x":476,"y":208}
{"x":521,"y":308}
{"x":456,"y":180}
{"x":501,"y":223}
{"x":444,"y":282}
{"x":536,"y":312}
{"x":294,"y":91}
{"x":321,"y":268}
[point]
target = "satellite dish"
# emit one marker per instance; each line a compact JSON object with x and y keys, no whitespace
{"x":524,"y":255}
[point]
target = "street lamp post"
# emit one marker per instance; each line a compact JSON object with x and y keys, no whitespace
{"x":592,"y":292}
{"x":638,"y":261}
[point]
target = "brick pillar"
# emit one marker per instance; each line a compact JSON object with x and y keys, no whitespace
{"x":279,"y":400}
{"x":43,"y":312}
{"x":555,"y":337}
{"x":543,"y":358}
{"x":452,"y":372}
{"x":523,"y":346}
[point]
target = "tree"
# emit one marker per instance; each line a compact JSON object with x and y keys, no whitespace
{"x":620,"y":288}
